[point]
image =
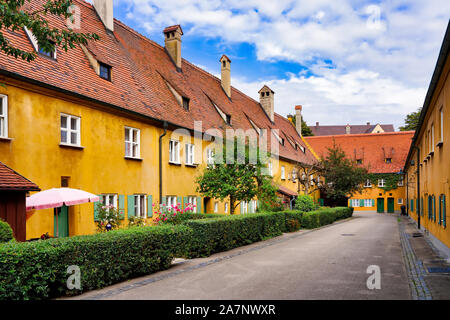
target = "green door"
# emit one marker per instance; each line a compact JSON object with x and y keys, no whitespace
{"x":61,"y":222}
{"x":390,"y":205}
{"x":380,"y":205}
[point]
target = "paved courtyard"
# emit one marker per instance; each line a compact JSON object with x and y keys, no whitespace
{"x":329,"y":263}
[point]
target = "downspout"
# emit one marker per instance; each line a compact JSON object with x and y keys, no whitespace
{"x":407,"y":194}
{"x":418,"y":188}
{"x":160,"y":161}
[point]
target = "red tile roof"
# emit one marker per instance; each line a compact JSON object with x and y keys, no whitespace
{"x":11,"y":180}
{"x":318,"y":130}
{"x":287,"y":191}
{"x":141,"y":70}
{"x":372,"y":149}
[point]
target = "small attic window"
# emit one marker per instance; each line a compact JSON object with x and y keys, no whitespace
{"x":228,"y":119}
{"x":105,"y":71}
{"x":262,"y":94}
{"x":224,"y":63}
{"x":282,"y":141}
{"x":388,"y":160}
{"x":359,"y":161}
{"x":186,"y":103}
{"x":50,"y":54}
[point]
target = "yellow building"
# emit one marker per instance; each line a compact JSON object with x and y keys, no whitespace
{"x":383,"y":154}
{"x":428,"y":163}
{"x":129,"y":120}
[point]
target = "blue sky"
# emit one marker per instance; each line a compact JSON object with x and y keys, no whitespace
{"x":344,"y":61}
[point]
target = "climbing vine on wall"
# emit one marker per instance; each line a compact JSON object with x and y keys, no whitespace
{"x":391,"y":180}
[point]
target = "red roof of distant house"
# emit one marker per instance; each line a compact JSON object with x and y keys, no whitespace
{"x":319,"y":130}
{"x":141,"y":72}
{"x":372,"y":149}
{"x":11,"y":180}
{"x":287,"y":191}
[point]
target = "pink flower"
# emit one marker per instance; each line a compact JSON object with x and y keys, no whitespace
{"x":165,"y":219}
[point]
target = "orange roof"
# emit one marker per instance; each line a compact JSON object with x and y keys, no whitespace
{"x":372,"y":149}
{"x":11,"y":180}
{"x":141,"y":70}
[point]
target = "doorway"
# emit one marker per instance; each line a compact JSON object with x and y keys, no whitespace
{"x":380,"y":205}
{"x":61,"y":222}
{"x":390,"y":205}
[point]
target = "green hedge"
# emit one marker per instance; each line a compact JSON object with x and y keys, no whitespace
{"x":324,"y":216}
{"x":37,"y":270}
{"x":293,"y":220}
{"x":6,"y":233}
{"x":221,"y":234}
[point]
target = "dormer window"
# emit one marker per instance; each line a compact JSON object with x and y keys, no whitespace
{"x":228,"y":119}
{"x":388,"y":160}
{"x":186,"y":103}
{"x":105,"y":71}
{"x":50,"y":54}
{"x":359,"y":161}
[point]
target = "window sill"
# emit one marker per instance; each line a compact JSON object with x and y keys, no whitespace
{"x":175,"y":163}
{"x":5,"y":139}
{"x":192,"y":165}
{"x":367,"y":186}
{"x":439,"y":144}
{"x":74,"y":146}
{"x":132,"y":158}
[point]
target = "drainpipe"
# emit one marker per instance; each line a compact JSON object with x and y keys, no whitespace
{"x":418,"y":187}
{"x":407,"y":194}
{"x":160,"y":161}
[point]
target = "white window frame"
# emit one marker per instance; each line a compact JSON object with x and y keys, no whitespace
{"x":192,"y":200}
{"x":311,"y":180}
{"x":171,"y":201}
{"x":400,"y":182}
{"x":216,"y":207}
{"x":69,"y":130}
{"x":254,"y":205}
{"x":432,"y":137}
{"x":4,"y":117}
{"x":190,"y":153}
{"x":244,"y":205}
{"x":368,"y":184}
{"x":226,"y":207}
{"x":368,"y":203}
{"x":270,"y":167}
{"x":441,"y":113}
{"x":283,"y":173}
{"x":134,"y":146}
{"x":381,"y":183}
{"x":354,"y":203}
{"x":140,"y":209}
{"x":209,"y":156}
{"x":106,"y":199}
{"x":400,"y":201}
{"x":174,"y":151}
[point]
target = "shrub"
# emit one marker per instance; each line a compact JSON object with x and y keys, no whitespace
{"x":6,"y":233}
{"x":37,"y":270}
{"x":221,"y":234}
{"x":305,"y":203}
{"x":293,"y":220}
{"x":105,"y":215}
{"x":321,"y":217}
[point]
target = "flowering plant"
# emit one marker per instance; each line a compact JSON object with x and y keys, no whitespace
{"x":136,"y":221}
{"x":107,"y":214}
{"x":173,"y":214}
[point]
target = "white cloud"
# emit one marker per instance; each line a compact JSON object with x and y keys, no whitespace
{"x":383,"y":53}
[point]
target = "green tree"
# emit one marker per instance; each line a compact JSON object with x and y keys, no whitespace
{"x":411,"y":121}
{"x":13,"y":17}
{"x":306,"y":131}
{"x":237,"y":181}
{"x":343,"y":177}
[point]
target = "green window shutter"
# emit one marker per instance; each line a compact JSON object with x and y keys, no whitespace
{"x":149,"y":206}
{"x":121,"y":200}
{"x":349,"y":203}
{"x":96,"y":204}
{"x":373,"y":202}
{"x":251,"y":206}
{"x":434,"y":208}
{"x":163,"y":201}
{"x":444,"y":211}
{"x":361,"y":202}
{"x":199,"y":205}
{"x":440,"y":209}
{"x":179,"y":202}
{"x":130,"y":201}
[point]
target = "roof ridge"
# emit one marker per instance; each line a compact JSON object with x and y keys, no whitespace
{"x":363,"y":134}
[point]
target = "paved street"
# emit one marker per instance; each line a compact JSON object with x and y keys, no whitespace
{"x":329,"y":263}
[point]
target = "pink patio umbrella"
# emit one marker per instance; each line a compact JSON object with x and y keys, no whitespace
{"x":57,"y":197}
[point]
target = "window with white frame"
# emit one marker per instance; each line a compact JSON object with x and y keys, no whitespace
{"x":3,"y":116}
{"x":190,"y":153}
{"x":174,"y":151}
{"x":139,"y":205}
{"x":441,"y":115}
{"x":367,"y":202}
{"x":270,"y":165}
{"x":110,"y":200}
{"x":254,"y":204}
{"x":432,"y":137}
{"x":283,"y":174}
{"x":244,"y":205}
{"x":209,"y":156}
{"x":216,"y":207}
{"x":381,"y":182}
{"x":70,"y":130}
{"x":192,"y":200}
{"x":400,"y":182}
{"x":429,"y":141}
{"x":132,"y":142}
{"x":226,"y":207}
{"x":311,"y":179}
{"x":171,"y":202}
{"x":400,"y":201}
{"x":354,"y":203}
{"x":368,"y":184}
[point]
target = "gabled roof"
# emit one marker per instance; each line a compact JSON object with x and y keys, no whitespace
{"x":11,"y":180}
{"x":330,"y":130}
{"x":372,"y":149}
{"x":140,"y":69}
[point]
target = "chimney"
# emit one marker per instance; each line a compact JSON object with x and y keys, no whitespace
{"x":368,"y":123}
{"x":317,"y":124}
{"x":298,"y":119}
{"x":225,"y":63}
{"x":266,"y":101}
{"x":172,"y":43}
{"x":347,"y":129}
{"x":104,"y":10}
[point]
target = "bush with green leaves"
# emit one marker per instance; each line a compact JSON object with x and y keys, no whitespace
{"x":293,"y":220}
{"x":305,"y":203}
{"x":6,"y":233}
{"x":107,"y":214}
{"x":38,"y":269}
{"x":221,"y":234}
{"x":324,"y":216}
